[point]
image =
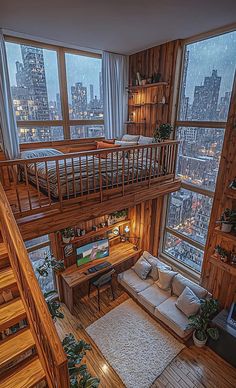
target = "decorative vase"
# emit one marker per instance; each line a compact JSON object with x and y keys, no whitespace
{"x":66,"y":240}
{"x":226,"y":227}
{"x":198,"y":342}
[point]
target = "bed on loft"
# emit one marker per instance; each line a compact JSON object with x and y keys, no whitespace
{"x":44,"y":177}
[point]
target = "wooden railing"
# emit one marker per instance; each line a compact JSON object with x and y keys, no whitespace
{"x":48,"y":344}
{"x":42,"y":184}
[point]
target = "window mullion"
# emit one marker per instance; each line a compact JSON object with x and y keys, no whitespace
{"x":184,"y":237}
{"x":63,"y":92}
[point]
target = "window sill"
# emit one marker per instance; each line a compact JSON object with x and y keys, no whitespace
{"x":192,"y":275}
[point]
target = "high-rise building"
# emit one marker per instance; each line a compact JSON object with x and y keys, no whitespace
{"x":79,"y":100}
{"x":101,"y":88}
{"x":206,"y":98}
{"x":35,"y":80}
{"x":91,"y":92}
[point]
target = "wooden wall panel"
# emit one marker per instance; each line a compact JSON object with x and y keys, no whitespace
{"x":160,"y":59}
{"x":145,"y":223}
{"x":218,"y":277}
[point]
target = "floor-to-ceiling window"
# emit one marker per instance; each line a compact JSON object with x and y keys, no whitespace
{"x":57,"y":92}
{"x":206,"y":83}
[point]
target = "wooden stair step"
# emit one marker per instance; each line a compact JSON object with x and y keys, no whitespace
{"x":11,"y":313}
{"x":7,"y":278}
{"x":3,"y":250}
{"x":15,"y":345}
{"x":27,"y":376}
{"x":4,"y":260}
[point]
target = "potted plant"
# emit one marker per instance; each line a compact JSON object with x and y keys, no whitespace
{"x":201,"y":322}
{"x":162,"y":132}
{"x":118,"y":216}
{"x":67,"y":235}
{"x":222,"y":253}
{"x":227,"y":220}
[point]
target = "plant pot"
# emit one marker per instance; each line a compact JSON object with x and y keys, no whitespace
{"x":198,"y":342}
{"x":226,"y":227}
{"x":66,"y":240}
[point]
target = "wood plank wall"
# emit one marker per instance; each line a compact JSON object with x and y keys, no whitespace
{"x":220,"y":278}
{"x":145,"y":223}
{"x":160,"y":59}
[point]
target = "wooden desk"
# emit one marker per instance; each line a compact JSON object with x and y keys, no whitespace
{"x":122,"y":256}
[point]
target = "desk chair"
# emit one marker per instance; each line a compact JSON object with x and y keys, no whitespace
{"x":100,"y":281}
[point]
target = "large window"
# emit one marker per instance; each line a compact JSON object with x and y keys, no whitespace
{"x":56,"y":93}
{"x":207,"y":79}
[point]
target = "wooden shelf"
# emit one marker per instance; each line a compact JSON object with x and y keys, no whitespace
{"x":147,"y":104}
{"x":133,"y":122}
{"x":139,"y":87}
{"x":95,"y":233}
{"x":231,"y":194}
{"x":228,"y":236}
{"x":226,"y":266}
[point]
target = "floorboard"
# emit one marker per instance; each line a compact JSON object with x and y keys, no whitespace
{"x":192,"y":368}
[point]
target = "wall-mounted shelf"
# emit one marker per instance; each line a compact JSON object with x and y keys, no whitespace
{"x":226,"y":266}
{"x":139,"y":87}
{"x":231,"y":194}
{"x":134,"y":122}
{"x":148,"y":104}
{"x":228,"y":236}
{"x":94,"y":233}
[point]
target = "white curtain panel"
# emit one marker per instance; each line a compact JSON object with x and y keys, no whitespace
{"x":8,"y":127}
{"x":115,"y":96}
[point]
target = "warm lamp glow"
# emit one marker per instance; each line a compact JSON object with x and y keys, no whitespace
{"x":127,"y":229}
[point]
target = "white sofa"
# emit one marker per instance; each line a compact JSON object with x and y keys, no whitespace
{"x":160,"y":303}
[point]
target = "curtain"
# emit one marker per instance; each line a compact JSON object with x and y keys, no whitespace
{"x":115,"y":97}
{"x":8,"y":127}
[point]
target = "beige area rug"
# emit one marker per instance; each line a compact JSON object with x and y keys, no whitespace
{"x":134,"y":344}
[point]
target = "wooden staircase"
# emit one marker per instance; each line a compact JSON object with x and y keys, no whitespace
{"x":20,"y":365}
{"x":31,"y":353}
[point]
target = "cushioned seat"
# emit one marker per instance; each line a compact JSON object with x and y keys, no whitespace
{"x":169,"y":314}
{"x":132,"y":282}
{"x":153,"y":296}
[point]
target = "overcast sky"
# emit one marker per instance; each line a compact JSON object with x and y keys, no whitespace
{"x":79,"y":69}
{"x":215,"y":53}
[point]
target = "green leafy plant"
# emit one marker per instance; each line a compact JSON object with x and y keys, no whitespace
{"x":68,"y":232}
{"x":221,"y":251}
{"x":53,"y":304}
{"x":49,"y":263}
{"x":228,"y":217}
{"x":162,"y":132}
{"x":120,"y":213}
{"x":201,"y":321}
{"x":75,"y":351}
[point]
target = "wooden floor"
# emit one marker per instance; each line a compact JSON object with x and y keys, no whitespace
{"x":192,"y":368}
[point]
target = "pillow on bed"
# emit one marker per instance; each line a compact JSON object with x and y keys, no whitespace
{"x":102,"y":145}
{"x":40,"y":153}
{"x":133,"y":138}
{"x":124,"y":143}
{"x":145,"y":140}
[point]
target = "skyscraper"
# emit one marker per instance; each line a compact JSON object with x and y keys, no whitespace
{"x":91,"y":93}
{"x":206,"y":98}
{"x":79,"y":100}
{"x":101,"y":88}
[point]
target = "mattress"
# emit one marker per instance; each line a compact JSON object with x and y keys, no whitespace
{"x":78,"y":176}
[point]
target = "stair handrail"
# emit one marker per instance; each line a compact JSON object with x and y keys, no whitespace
{"x":48,"y":344}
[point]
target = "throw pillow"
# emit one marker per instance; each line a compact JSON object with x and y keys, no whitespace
{"x":133,"y":138}
{"x":142,"y":268}
{"x":102,"y":145}
{"x":156,"y":264}
{"x":188,"y":302}
{"x":165,"y":278}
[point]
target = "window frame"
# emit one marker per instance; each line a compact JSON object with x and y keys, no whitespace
{"x":181,"y":123}
{"x":65,"y":122}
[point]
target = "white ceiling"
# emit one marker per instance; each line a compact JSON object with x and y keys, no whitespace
{"x":122,"y":26}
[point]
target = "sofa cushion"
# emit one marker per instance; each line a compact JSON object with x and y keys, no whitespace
{"x":152,"y":296}
{"x":188,"y":302}
{"x":165,"y":278}
{"x":180,"y":282}
{"x":132,"y":282}
{"x":142,"y":268}
{"x":169,"y":314}
{"x":155,"y":263}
